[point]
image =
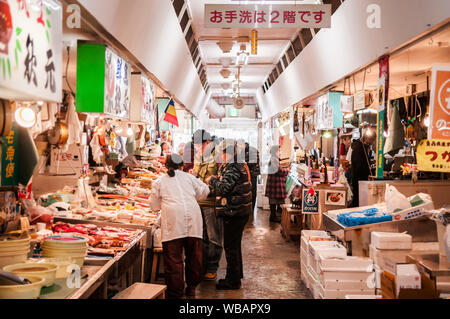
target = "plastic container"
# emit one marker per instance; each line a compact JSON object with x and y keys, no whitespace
{"x":48,"y":272}
{"x":13,"y":258}
{"x":31,"y":291}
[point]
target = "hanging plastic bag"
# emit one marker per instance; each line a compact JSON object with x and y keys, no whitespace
{"x":395,"y":201}
{"x":73,"y":123}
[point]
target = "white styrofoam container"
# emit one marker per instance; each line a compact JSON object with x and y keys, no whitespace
{"x":311,"y":278}
{"x":378,"y":256}
{"x":327,"y":248}
{"x":363,"y":297}
{"x":384,"y":240}
{"x":305,"y":240}
{"x":378,"y":272}
{"x":425,"y":246}
{"x":347,"y":285}
{"x":340,"y":294}
{"x":337,"y":263}
{"x":346,"y":275}
{"x":316,"y":290}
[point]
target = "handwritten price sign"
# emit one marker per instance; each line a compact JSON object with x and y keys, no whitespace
{"x":433,"y":156}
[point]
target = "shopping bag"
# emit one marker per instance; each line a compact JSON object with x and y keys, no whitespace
{"x":395,"y":201}
{"x":289,"y":184}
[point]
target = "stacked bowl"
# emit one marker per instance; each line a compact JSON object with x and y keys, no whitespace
{"x":65,"y":246}
{"x":13,"y":251}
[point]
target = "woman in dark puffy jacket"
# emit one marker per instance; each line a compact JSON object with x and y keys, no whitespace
{"x":233,"y":191}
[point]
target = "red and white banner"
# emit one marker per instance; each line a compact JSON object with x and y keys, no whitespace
{"x":268,"y":16}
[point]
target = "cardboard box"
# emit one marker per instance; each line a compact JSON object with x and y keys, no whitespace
{"x":391,"y":241}
{"x":407,"y":277}
{"x":389,"y":289}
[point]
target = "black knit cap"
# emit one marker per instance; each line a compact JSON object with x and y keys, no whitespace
{"x":201,"y":136}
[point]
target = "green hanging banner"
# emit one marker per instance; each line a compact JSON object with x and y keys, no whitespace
{"x":383,"y":94}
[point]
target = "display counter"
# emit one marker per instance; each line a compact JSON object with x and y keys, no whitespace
{"x":121,"y":271}
{"x":148,"y":245}
{"x":357,"y":238}
{"x":372,"y":192}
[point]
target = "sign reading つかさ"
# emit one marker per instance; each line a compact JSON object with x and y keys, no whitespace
{"x":30,"y":50}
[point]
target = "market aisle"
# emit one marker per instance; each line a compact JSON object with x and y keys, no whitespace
{"x":271,"y":265}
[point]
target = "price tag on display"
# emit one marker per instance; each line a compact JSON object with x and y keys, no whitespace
{"x":433,"y":156}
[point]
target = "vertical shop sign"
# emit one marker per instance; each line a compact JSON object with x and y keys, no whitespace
{"x":383,"y":94}
{"x":30,"y":50}
{"x":254,"y":42}
{"x":10,"y":157}
{"x":440,"y":103}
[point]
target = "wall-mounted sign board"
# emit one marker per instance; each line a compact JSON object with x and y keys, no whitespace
{"x":30,"y":51}
{"x":103,"y":81}
{"x":440,"y":103}
{"x":142,"y":108}
{"x":329,"y":113}
{"x":433,"y":156}
{"x":268,"y":16}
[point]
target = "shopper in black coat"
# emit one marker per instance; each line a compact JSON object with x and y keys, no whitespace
{"x":234,"y":203}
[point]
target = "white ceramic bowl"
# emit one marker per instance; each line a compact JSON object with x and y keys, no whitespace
{"x":14,"y":258}
{"x":31,"y":291}
{"x":47,"y":271}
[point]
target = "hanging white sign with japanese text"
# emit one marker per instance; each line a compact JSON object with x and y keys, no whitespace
{"x":117,"y":85}
{"x":268,"y":16}
{"x":31,"y":50}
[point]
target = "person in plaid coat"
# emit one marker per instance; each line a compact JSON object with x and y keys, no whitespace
{"x":276,"y":184}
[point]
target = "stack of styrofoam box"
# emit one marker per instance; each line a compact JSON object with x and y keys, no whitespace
{"x":328,"y":249}
{"x":345,"y":275}
{"x":392,"y":246}
{"x":306,"y":237}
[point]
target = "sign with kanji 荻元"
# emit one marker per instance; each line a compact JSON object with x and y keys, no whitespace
{"x":31,"y":50}
{"x":268,"y":16}
{"x":310,"y":201}
{"x":440,"y":103}
{"x":433,"y":156}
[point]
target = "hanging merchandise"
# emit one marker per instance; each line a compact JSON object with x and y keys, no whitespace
{"x":347,"y":100}
{"x":73,"y":122}
{"x":396,"y":134}
{"x":296,"y":124}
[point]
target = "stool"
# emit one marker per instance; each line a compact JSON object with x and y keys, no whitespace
{"x":143,"y":291}
{"x":157,"y":254}
{"x":287,"y":228}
